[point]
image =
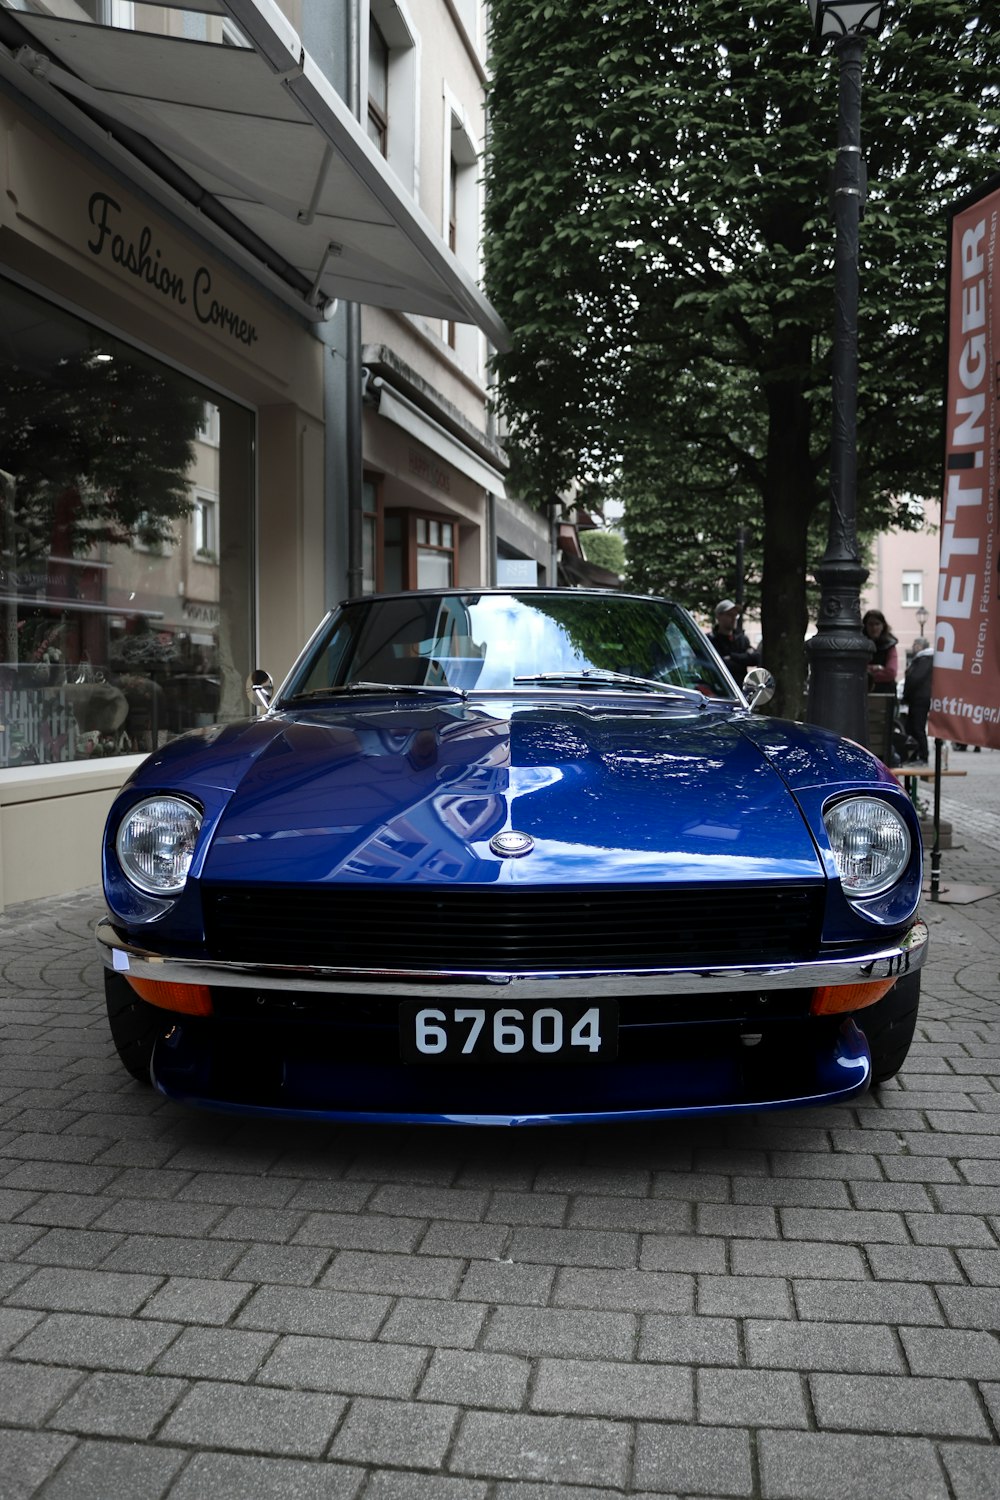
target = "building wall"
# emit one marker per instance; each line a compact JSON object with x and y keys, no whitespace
{"x":909,"y":557}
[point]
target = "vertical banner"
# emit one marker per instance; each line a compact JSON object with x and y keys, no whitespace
{"x":965,"y":691}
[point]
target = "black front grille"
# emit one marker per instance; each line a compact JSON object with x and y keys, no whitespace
{"x":517,"y":928}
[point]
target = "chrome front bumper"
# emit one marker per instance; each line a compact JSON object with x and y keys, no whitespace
{"x":889,"y":961}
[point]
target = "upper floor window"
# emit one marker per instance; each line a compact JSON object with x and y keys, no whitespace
{"x":378,"y":87}
{"x":913,"y":587}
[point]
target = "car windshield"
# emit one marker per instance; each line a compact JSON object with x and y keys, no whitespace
{"x":505,"y":642}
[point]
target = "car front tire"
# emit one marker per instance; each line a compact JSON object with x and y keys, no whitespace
{"x":889,"y":1026}
{"x":134,"y":1025}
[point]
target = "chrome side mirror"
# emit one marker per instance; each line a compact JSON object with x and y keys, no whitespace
{"x":758,"y":686}
{"x":260,"y":688}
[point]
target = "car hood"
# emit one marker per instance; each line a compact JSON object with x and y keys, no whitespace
{"x":612,"y":793}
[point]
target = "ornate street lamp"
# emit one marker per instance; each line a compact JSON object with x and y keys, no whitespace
{"x":839,"y":652}
{"x":922,"y":620}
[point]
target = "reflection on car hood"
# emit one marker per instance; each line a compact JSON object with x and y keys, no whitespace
{"x":612,"y":793}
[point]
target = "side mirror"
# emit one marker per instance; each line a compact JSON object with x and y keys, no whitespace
{"x":260,"y":688}
{"x":758,"y":686}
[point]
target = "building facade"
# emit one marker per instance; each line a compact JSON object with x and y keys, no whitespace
{"x":204,"y":442}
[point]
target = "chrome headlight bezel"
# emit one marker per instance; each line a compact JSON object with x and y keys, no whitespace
{"x":172,"y":821}
{"x":877,"y":823}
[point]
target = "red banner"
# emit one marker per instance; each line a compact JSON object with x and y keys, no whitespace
{"x":965,"y":695}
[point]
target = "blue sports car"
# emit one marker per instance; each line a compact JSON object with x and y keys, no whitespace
{"x":511,"y":858}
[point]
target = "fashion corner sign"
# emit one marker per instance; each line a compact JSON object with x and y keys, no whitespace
{"x":965,"y":702}
{"x":135,"y":251}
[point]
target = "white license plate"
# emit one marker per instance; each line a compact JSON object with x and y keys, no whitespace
{"x":574,"y":1032}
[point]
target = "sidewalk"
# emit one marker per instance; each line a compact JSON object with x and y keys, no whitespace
{"x":794,"y":1306}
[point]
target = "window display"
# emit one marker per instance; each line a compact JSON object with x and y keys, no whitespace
{"x":126,"y":505}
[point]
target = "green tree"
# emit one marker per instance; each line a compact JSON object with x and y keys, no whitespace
{"x":605,"y":548}
{"x":660,"y":242}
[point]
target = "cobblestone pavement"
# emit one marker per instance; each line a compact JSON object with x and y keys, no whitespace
{"x":797,"y":1305}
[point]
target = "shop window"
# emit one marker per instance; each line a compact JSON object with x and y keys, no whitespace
{"x":114,"y":635}
{"x":913,"y":587}
{"x":419,"y":551}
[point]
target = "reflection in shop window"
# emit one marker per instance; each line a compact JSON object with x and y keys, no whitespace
{"x":119,"y":481}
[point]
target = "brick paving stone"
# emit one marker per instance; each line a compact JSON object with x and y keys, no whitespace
{"x":310,"y":1310}
{"x":829,"y":1466}
{"x":542,"y":1210}
{"x":71,"y":1247}
{"x":694,"y":1460}
{"x":823,"y":1346}
{"x":381,"y":1432}
{"x":253,"y":1419}
{"x":231,"y":1476}
{"x":95,"y":1342}
{"x":291,"y":1265}
{"x":125,"y":1406}
{"x":624,"y":1291}
{"x":655,"y":1215}
{"x":582,"y":1450}
{"x":192,"y":1300}
{"x":930,"y":1263}
{"x":442,"y":1325}
{"x":471,"y":1378}
{"x":474,"y":1241}
{"x":694,"y":1187}
{"x":898,"y":1404}
{"x":15,"y":1323}
{"x":981,"y":1266}
{"x":974,"y":1472}
{"x":969,"y":1306}
{"x":61,"y":1290}
{"x":866,"y":1302}
{"x":745,"y":1297}
{"x":599,"y":1388}
{"x":399,"y":1275}
{"x":575,"y":1247}
{"x":960,"y":1353}
{"x":676,"y":1252}
{"x":359,"y":1232}
{"x":795,"y":1258}
{"x":97,"y":1469}
{"x":26,"y":1458}
{"x":683,"y":1339}
{"x":550,"y":1330}
{"x":215,"y":1353}
{"x":751,"y":1398}
{"x":352,"y":1367}
{"x":791,"y":1192}
{"x":492,"y":1281}
{"x":30,"y":1392}
{"x":387,"y":1484}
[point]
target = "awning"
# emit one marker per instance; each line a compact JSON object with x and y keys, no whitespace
{"x":259,"y":132}
{"x":396,"y":407}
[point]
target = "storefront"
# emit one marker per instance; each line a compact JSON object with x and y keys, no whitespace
{"x":164,"y":522}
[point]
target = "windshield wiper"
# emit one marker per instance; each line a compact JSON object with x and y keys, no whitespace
{"x":589,"y":675}
{"x":396,"y":688}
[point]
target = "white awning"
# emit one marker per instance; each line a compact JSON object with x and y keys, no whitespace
{"x":263,"y":133}
{"x":397,"y":408}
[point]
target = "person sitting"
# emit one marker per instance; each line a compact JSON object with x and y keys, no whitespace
{"x":731,"y":643}
{"x":884,"y":664}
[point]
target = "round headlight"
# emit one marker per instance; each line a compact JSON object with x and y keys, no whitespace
{"x":870,"y":842}
{"x":155,"y":844}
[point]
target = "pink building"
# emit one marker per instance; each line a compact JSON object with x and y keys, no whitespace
{"x":903,"y":578}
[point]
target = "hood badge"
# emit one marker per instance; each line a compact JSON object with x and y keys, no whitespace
{"x":510,"y":844}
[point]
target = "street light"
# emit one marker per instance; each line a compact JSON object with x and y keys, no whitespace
{"x":839,"y":652}
{"x":922,"y":620}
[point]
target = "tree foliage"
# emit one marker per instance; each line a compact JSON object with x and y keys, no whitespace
{"x":606,"y":549}
{"x":659,"y":240}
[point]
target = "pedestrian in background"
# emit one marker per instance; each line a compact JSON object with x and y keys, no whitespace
{"x":731,"y":643}
{"x":884,"y":665}
{"x":917,"y":694}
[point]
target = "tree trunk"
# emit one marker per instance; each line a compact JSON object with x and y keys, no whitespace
{"x":789,"y":499}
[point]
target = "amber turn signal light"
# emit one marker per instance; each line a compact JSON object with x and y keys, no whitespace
{"x":192,"y":999}
{"x":831,"y":999}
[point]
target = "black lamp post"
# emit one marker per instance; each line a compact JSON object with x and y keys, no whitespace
{"x":839,"y":652}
